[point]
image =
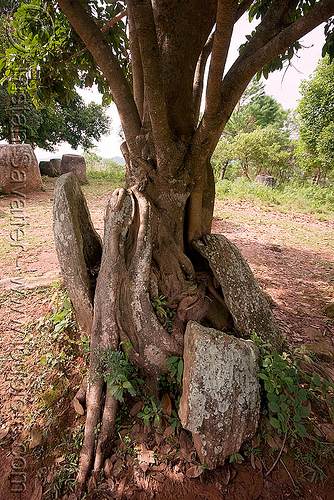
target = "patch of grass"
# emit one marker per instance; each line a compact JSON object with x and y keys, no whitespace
{"x":306,"y":198}
{"x":110,"y":171}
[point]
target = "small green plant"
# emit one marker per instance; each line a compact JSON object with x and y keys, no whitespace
{"x":152,"y":412}
{"x":175,"y":366}
{"x":288,"y":389}
{"x":175,"y":421}
{"x":236,"y":458}
{"x":118,"y":372}
{"x":62,"y":317}
{"x":164,"y":313}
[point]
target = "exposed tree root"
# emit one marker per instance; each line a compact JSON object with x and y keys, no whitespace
{"x":122,"y":311}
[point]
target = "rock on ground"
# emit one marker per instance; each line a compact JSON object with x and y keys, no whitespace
{"x":220,"y":403}
{"x":242,"y":295}
{"x":78,"y":245}
{"x":50,"y":168}
{"x":19,"y":172}
{"x":75,"y":164}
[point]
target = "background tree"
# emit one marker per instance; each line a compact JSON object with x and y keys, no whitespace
{"x":315,"y":113}
{"x":255,"y":109}
{"x":74,"y":122}
{"x":43,"y":125}
{"x":156,"y":230}
{"x":265,"y":150}
{"x":256,"y":138}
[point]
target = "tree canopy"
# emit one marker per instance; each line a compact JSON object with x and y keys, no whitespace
{"x":47,"y":126}
{"x":315,"y":113}
{"x":255,"y":109}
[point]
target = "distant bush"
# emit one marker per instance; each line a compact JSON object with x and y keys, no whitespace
{"x":104,"y":169}
{"x":307,"y":198}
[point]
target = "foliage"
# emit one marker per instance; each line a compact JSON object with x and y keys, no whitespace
{"x":151,"y":412}
{"x":256,"y":138}
{"x":315,"y":113}
{"x":262,"y":151}
{"x":64,"y":479}
{"x":62,"y":317}
{"x":254,"y":110}
{"x":53,"y":59}
{"x":118,"y":372}
{"x":163,"y":312}
{"x":73,"y":122}
{"x":45,"y":125}
{"x":305,"y":198}
{"x":175,"y":366}
{"x":289,"y":390}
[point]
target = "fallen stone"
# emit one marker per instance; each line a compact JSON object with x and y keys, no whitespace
{"x":242,"y":295}
{"x":19,"y":172}
{"x":78,"y":246}
{"x":75,"y":164}
{"x":50,"y":168}
{"x":220,"y":402}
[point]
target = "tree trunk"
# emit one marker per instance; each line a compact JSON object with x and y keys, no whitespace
{"x":148,"y":252}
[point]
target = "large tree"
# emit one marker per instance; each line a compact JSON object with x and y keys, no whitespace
{"x":154,"y":225}
{"x":315,"y":114}
{"x":75,"y":122}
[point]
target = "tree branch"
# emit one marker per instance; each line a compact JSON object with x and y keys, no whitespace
{"x":199,"y":76}
{"x":250,"y":62}
{"x":114,"y":20}
{"x":242,"y":7}
{"x":225,"y":19}
{"x":95,"y":42}
{"x":150,"y":57}
{"x":137,"y":67}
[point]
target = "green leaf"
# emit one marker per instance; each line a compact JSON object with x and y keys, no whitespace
{"x":113,"y":389}
{"x":273,"y":407}
{"x":172,"y":360}
{"x":288,"y":380}
{"x":303,"y":411}
{"x":180,"y":371}
{"x":284,"y":406}
{"x":127,"y":385}
{"x":272,"y":397}
{"x":282,"y":417}
{"x":302,"y":393}
{"x":316,"y":379}
{"x":263,"y":376}
{"x":302,"y":432}
{"x":67,"y":304}
{"x":274,"y":423}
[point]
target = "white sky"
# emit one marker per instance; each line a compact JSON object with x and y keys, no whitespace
{"x":283,"y":86}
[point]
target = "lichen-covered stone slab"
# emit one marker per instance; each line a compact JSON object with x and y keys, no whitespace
{"x":19,"y":172}
{"x":78,"y":245}
{"x":242,"y":295}
{"x":220,"y":402}
{"x":75,"y":164}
